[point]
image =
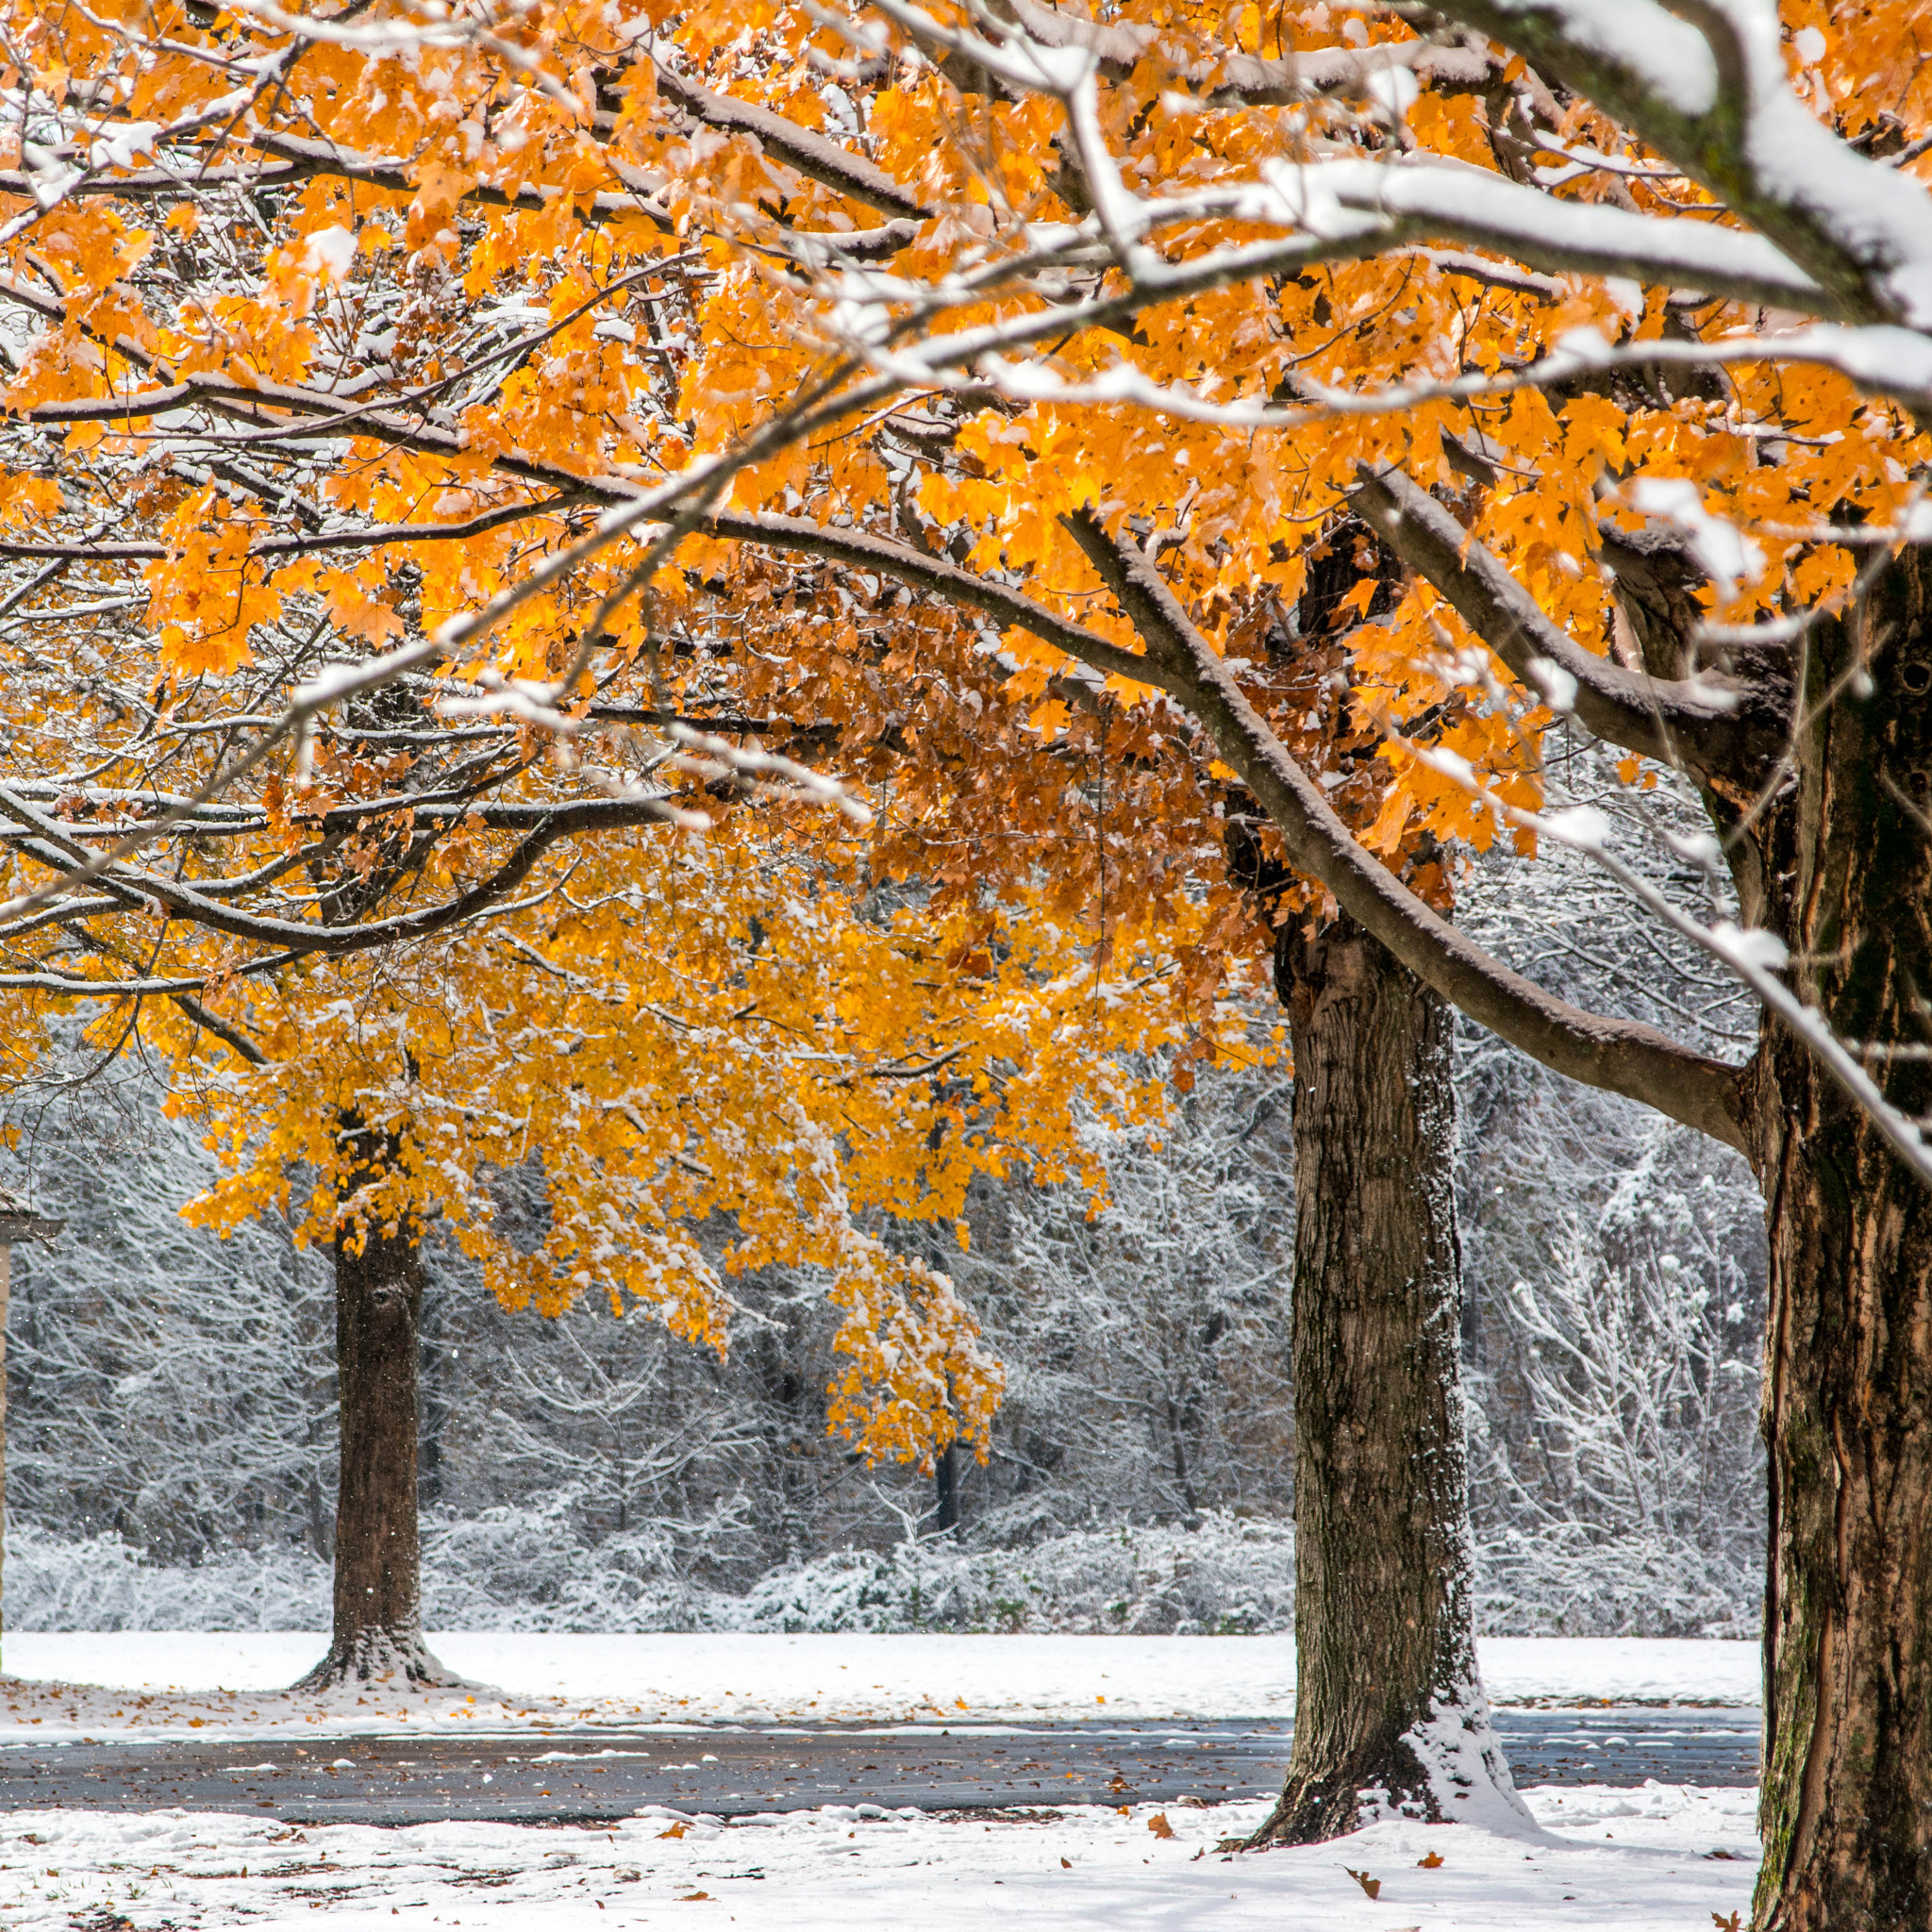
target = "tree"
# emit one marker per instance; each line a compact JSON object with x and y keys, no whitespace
{"x":1673,"y":169}
{"x":1203,"y":286}
{"x":614,"y":251}
{"x":742,"y":1046}
{"x":323,"y":915}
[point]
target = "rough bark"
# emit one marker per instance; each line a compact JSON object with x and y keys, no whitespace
{"x":1845,"y":855}
{"x":6,"y":1287}
{"x":377,"y":1631}
{"x":1829,"y":839}
{"x":1390,"y":1710}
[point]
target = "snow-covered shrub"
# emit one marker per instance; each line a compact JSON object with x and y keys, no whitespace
{"x":165,"y":1386}
{"x":1221,"y":1575}
{"x":103,"y":1583}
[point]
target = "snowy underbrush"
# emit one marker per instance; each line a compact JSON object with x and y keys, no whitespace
{"x":1224,"y":1577}
{"x":520,"y":1570}
{"x":516,"y":1569}
{"x":101,"y":1583}
{"x":1569,"y":1580}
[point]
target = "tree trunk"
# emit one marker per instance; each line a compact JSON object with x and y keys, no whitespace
{"x":5,"y":1289}
{"x":379,"y":1608}
{"x":945,"y":1482}
{"x":1389,"y":1711}
{"x":1845,"y":865}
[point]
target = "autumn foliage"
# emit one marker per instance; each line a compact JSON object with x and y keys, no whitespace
{"x":494,"y":496}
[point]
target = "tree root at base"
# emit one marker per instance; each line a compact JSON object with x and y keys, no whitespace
{"x":372,"y":1657}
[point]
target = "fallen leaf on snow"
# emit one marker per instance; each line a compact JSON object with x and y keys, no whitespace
{"x":1371,"y":1886}
{"x":1158,"y":1825}
{"x":1431,"y":1862}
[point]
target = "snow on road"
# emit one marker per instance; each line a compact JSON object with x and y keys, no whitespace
{"x":95,"y":1684}
{"x":1665,"y":1858}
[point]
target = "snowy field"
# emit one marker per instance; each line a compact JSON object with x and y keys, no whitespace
{"x":79,"y":1682}
{"x":1661,"y":1859}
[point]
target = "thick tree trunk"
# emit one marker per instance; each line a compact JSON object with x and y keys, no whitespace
{"x":1845,"y":866}
{"x":378,"y":1609}
{"x":6,"y":1287}
{"x":1390,"y":1710}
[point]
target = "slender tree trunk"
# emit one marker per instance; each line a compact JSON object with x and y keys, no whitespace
{"x":1844,"y":874}
{"x":945,"y":1481}
{"x":1390,"y":1710}
{"x":378,"y":1607}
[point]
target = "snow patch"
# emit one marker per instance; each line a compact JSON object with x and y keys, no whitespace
{"x":1750,"y":946}
{"x":330,"y":250}
{"x":1609,"y":1862}
{"x":1726,"y":553}
{"x":1469,"y":1776}
{"x":228,"y":1685}
{"x":1580,"y":826}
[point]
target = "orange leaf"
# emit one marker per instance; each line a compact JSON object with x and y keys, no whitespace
{"x":1371,"y":1886}
{"x":1431,"y":1862}
{"x":1158,"y":1825}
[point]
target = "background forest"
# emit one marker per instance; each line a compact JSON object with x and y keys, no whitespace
{"x":172,"y":1427}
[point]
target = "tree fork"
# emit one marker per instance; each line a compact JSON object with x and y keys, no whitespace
{"x":1389,"y":1709}
{"x":377,"y":1630}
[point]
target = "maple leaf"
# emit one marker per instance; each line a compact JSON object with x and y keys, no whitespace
{"x":1158,"y":1825}
{"x":1371,"y":1886}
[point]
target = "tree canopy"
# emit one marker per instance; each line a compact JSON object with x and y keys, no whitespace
{"x":1193,"y":461}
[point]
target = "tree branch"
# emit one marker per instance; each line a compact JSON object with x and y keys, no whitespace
{"x":1707,"y":723}
{"x":911,"y":566}
{"x":1704,"y":83}
{"x":231,"y":1037}
{"x":809,"y":154}
{"x":1618,"y":1055}
{"x":134,"y":889}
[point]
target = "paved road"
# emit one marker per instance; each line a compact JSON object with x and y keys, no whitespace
{"x":579,"y":1774}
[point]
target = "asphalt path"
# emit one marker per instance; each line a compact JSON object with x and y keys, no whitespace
{"x":581,"y":1774}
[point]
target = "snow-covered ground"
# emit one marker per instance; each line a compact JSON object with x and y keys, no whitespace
{"x":89,"y":1683}
{"x":1661,"y":1859}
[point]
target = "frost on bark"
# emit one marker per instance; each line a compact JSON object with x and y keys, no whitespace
{"x":1389,"y":1711}
{"x":1842,"y":868}
{"x":378,"y":1634}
